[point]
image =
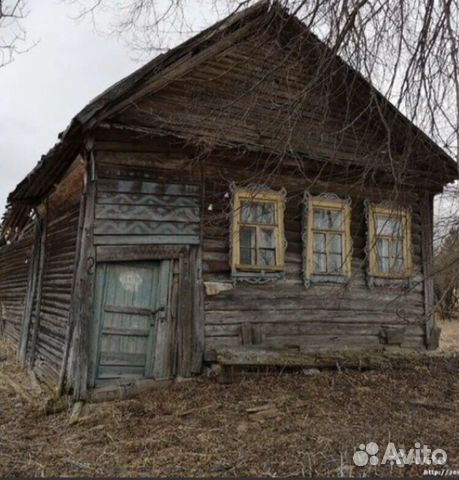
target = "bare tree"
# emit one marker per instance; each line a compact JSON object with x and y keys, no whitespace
{"x":12,"y":32}
{"x":447,"y":276}
{"x":407,"y":49}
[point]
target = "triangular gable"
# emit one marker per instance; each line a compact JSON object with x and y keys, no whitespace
{"x":262,"y":93}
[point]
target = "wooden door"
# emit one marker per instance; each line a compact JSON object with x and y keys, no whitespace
{"x":131,"y":305}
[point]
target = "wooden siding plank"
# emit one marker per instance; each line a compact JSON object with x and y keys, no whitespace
{"x":109,"y":253}
{"x":146,"y":212}
{"x":129,"y":227}
{"x":146,"y":240}
{"x":126,"y":186}
{"x":146,"y":199}
{"x":122,"y":358}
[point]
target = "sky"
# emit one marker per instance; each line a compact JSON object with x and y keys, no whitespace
{"x":46,"y":86}
{"x":69,"y":64}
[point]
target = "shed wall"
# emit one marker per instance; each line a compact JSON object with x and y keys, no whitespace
{"x":286,"y":313}
{"x":56,"y":293}
{"x":14,"y":272}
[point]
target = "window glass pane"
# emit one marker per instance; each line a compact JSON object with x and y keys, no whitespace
{"x":320,"y":263}
{"x":266,"y":257}
{"x":257,"y":212}
{"x":328,"y":219}
{"x":388,"y":226}
{"x":247,"y":256}
{"x":397,"y":248}
{"x":334,"y":244}
{"x":319,"y":242}
{"x":265,"y":213}
{"x":247,"y":246}
{"x":382,"y":247}
{"x":267,"y":239}
{"x":334,"y":263}
{"x":383,"y":264}
{"x":397,"y":265}
{"x":246,"y":212}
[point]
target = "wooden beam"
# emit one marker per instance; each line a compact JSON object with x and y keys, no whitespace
{"x":82,"y":301}
{"x":129,"y":253}
{"x":185,"y":316}
{"x":41,"y":267}
{"x":427,"y":263}
{"x":73,"y":311}
{"x":197,"y":339}
{"x":31,"y":289}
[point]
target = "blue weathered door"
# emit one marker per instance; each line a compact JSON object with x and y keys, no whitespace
{"x":130,"y":311}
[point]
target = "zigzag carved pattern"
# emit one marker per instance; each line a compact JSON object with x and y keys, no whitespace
{"x":105,"y":227}
{"x":140,"y":199}
{"x":146,"y":212}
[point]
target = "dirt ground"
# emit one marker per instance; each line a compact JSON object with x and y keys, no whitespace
{"x":281,"y":424}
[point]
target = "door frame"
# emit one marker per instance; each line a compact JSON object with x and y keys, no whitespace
{"x":180,"y":274}
{"x":156,"y":332}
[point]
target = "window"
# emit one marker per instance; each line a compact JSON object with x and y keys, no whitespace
{"x":327,"y":239}
{"x":257,"y":234}
{"x":389,"y":242}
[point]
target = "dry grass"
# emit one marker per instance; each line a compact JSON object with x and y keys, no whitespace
{"x":311,"y":426}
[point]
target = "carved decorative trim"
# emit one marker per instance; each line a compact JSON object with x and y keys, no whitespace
{"x":139,"y":252}
{"x":373,"y":280}
{"x":310,"y":278}
{"x":257,"y":277}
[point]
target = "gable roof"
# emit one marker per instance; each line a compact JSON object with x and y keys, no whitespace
{"x":157,"y":74}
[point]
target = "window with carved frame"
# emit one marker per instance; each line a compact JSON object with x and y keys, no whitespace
{"x":257,"y":233}
{"x":327,"y":239}
{"x":389,"y":241}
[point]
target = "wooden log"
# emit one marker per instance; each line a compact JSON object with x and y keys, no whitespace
{"x":125,"y":390}
{"x":259,"y":356}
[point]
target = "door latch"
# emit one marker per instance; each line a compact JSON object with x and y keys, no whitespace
{"x":161,"y":312}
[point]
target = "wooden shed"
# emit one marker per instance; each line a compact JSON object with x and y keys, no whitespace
{"x":247,"y":188}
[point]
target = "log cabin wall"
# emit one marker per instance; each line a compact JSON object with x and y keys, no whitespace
{"x":51,"y":307}
{"x":151,"y":202}
{"x":46,"y":351}
{"x":15,"y":261}
{"x":286,"y":313}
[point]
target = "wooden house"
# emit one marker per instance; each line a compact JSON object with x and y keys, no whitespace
{"x":247,"y":189}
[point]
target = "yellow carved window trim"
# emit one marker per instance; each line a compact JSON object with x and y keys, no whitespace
{"x":250,"y":197}
{"x":383,"y":214}
{"x":315,"y":204}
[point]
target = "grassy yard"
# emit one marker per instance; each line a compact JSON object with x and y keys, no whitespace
{"x":274,"y":425}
